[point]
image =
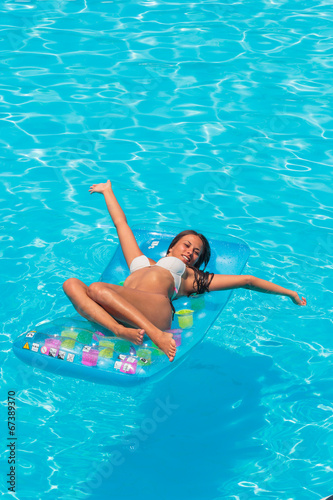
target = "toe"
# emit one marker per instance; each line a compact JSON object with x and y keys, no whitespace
{"x":172,"y":351}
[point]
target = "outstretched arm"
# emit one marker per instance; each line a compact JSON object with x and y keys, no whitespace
{"x":115,"y":210}
{"x":227,"y":282}
{"x":126,"y":237}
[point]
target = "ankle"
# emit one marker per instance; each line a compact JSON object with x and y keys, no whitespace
{"x":118,"y":330}
{"x":156,"y":333}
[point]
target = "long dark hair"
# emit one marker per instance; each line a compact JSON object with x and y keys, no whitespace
{"x":202,"y":279}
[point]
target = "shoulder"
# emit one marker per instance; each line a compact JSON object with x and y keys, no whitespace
{"x":199,"y":281}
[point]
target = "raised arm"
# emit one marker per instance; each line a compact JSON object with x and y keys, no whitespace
{"x":228,"y":282}
{"x":126,"y":237}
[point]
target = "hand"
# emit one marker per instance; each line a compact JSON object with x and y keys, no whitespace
{"x":296,"y":300}
{"x":100,"y":188}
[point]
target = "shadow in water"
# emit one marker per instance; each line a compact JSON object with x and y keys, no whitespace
{"x":195,"y":430}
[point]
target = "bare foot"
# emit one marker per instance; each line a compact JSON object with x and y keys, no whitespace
{"x":134,"y":335}
{"x":166,"y":343}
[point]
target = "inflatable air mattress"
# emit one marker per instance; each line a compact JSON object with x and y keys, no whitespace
{"x":77,"y":348}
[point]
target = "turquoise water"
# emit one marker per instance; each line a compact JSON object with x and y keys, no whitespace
{"x":209,"y":115}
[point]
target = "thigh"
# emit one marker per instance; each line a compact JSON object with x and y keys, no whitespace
{"x":154,"y":306}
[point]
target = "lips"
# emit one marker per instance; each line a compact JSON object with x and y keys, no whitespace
{"x":187,"y":259}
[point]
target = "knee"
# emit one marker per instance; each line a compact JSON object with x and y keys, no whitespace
{"x":70,"y":285}
{"x":95,"y":290}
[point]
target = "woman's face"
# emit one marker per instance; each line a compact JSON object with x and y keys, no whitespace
{"x":188,"y":249}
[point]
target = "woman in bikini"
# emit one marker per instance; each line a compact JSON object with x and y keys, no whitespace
{"x":143,"y":304}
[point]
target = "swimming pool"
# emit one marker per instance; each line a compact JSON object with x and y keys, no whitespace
{"x":212,"y":115}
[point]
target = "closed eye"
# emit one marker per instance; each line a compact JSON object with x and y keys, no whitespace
{"x":196,"y":250}
{"x":188,"y":245}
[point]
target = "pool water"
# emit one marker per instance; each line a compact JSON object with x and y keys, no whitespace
{"x":211,"y":115}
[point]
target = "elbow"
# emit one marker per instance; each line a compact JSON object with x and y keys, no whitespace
{"x":120,"y":222}
{"x":249,"y":281}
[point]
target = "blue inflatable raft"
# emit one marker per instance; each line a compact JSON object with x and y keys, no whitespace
{"x":77,"y":348}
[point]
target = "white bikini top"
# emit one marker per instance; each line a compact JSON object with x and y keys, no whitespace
{"x":172,"y":264}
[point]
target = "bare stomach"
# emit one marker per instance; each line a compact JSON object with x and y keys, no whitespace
{"x":152,"y":280}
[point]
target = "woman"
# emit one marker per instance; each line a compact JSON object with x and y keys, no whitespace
{"x":143,"y":304}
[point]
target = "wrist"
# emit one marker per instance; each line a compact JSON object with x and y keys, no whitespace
{"x":107,"y":188}
{"x":107,"y":192}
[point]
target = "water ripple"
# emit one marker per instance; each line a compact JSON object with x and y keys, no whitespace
{"x":212,"y":115}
